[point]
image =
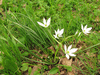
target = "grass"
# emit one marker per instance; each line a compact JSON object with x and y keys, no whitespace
{"x":22,"y":40}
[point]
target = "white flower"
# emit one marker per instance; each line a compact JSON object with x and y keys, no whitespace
{"x":76,"y":32}
{"x":58,"y":33}
{"x":79,"y":34}
{"x":46,"y":24}
{"x":69,"y":51}
{"x":85,"y":29}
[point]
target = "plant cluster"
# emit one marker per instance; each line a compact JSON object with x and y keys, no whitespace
{"x":58,"y":34}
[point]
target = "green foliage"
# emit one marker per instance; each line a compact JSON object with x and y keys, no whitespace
{"x":24,"y":67}
{"x":69,"y":68}
{"x":29,"y":70}
{"x":1,"y":60}
{"x":45,"y":67}
{"x":99,"y":56}
{"x":37,"y":73}
{"x":25,"y":54}
{"x":53,"y":70}
{"x":21,"y":36}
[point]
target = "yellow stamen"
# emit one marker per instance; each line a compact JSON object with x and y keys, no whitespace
{"x":45,"y":24}
{"x":67,"y":52}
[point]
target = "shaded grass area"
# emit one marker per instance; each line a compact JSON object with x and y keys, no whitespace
{"x":22,"y":40}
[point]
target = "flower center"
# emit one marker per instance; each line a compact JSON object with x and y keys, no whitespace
{"x":45,"y":24}
{"x":83,"y":30}
{"x":58,"y":34}
{"x":67,"y":52}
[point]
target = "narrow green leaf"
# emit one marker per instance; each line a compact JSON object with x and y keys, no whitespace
{"x":1,"y":59}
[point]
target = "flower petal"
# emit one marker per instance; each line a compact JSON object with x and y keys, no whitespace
{"x":48,"y":21}
{"x":55,"y":32}
{"x":76,"y":32}
{"x":73,"y":50}
{"x":65,"y":48}
{"x":88,"y":29}
{"x":86,"y":33}
{"x":69,"y":47}
{"x":62,"y":30}
{"x":41,"y":24}
{"x":44,"y":21}
{"x":72,"y":55}
{"x":60,"y":35}
{"x":82,"y":27}
{"x":58,"y":31}
{"x":67,"y":56}
{"x":79,"y":34}
{"x":55,"y":36}
{"x":85,"y":27}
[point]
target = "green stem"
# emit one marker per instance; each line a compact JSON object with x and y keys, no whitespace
{"x":67,"y":38}
{"x":88,"y":48}
{"x":53,"y":37}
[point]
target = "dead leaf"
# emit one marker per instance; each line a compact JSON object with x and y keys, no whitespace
{"x":61,"y":52}
{"x":98,"y":61}
{"x":0,"y":2}
{"x":50,"y":67}
{"x":60,"y":6}
{"x":77,"y":63}
{"x":97,"y":19}
{"x":24,"y":5}
{"x":65,"y":61}
{"x":81,"y":44}
{"x":70,"y":73}
{"x":52,"y":48}
{"x":35,"y":68}
{"x":1,"y":67}
{"x":64,"y":72}
{"x":54,"y":74}
{"x":90,"y":54}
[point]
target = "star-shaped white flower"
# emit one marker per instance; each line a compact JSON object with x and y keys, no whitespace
{"x":85,"y":29}
{"x":69,"y":51}
{"x":58,"y":33}
{"x":46,"y":24}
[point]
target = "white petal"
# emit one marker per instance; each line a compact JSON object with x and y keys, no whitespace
{"x":61,"y":32}
{"x":60,"y":35}
{"x":58,"y":31}
{"x":72,"y":55}
{"x":79,"y":34}
{"x":55,"y":32}
{"x":82,"y":27}
{"x":41,"y":24}
{"x":48,"y":21}
{"x":88,"y":29}
{"x":67,"y":56}
{"x":69,"y":47}
{"x":76,"y":32}
{"x":73,"y":50}
{"x":85,"y":27}
{"x":44,"y":21}
{"x":55,"y":36}
{"x":86,"y":33}
{"x":65,"y":48}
